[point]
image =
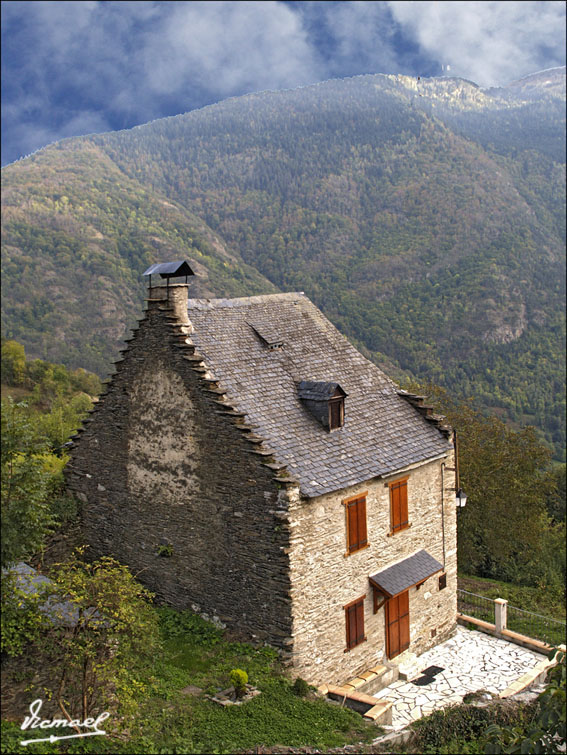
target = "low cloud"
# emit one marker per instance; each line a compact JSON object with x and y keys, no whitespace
{"x":228,"y":47}
{"x":73,"y":67}
{"x":491,"y":43}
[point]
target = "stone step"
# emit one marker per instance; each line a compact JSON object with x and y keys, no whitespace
{"x":381,"y":713}
{"x":350,"y":694}
{"x":375,"y":710}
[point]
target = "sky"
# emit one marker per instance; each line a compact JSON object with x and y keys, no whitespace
{"x":72,"y":68}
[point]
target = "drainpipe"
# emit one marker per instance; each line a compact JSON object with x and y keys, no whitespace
{"x":443,"y":508}
{"x":456,"y":447}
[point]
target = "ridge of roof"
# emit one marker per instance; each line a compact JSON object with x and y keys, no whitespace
{"x":244,"y":301}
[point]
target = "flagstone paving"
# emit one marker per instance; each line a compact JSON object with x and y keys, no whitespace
{"x":472,"y":661}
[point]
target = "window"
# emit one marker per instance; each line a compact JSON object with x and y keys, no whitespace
{"x":356,"y":535}
{"x":336,"y":413}
{"x":354,"y":616}
{"x":398,"y":505}
{"x":442,"y":581}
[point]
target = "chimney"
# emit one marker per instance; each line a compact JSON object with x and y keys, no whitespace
{"x":176,"y":294}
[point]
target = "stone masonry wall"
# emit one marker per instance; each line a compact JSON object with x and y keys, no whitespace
{"x":324,"y":580}
{"x":161,"y":462}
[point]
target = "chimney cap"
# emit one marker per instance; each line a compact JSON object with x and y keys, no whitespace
{"x":170,"y":269}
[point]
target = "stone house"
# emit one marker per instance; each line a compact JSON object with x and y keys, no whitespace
{"x":248,"y":462}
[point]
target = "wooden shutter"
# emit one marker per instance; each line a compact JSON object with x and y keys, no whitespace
{"x":352,"y":510}
{"x":354,"y":615}
{"x":362,"y":537}
{"x":399,"y":505}
{"x":335,"y":413}
{"x":359,"y":622}
{"x":356,"y":524}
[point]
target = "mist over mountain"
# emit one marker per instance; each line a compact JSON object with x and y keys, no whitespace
{"x":426,"y":217}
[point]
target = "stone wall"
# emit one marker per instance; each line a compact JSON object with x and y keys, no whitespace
{"x":162,"y":463}
{"x":324,"y":580}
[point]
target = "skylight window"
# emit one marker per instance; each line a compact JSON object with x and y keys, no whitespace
{"x":267,"y":334}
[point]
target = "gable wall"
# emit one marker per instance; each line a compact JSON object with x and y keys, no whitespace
{"x":324,"y":580}
{"x":167,"y":467}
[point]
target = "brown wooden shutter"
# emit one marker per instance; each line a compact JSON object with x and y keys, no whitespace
{"x":359,"y":622}
{"x":352,"y":526}
{"x":361,"y":509}
{"x":404,"y":521}
{"x":356,"y":524}
{"x":354,"y":616}
{"x":351,"y":626}
{"x":399,"y":505}
{"x":335,"y":419}
{"x":396,"y":520}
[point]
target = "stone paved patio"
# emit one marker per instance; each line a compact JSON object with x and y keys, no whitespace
{"x":471,"y":661}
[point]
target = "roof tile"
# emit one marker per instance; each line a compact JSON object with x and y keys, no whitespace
{"x":382,"y":432}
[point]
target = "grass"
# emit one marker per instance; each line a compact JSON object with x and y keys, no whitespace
{"x":195,"y":653}
{"x":527,"y":598}
{"x":530,"y":599}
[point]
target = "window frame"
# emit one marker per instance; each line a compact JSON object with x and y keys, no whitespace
{"x":355,"y":608}
{"x":348,"y":503}
{"x":399,"y":484}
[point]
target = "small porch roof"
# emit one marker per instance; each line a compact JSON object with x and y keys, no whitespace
{"x":409,"y":572}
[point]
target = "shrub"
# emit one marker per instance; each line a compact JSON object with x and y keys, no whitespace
{"x":300,"y":687}
{"x":239,"y":680}
{"x":460,"y":728}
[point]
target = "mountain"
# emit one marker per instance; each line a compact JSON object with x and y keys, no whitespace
{"x":426,"y":217}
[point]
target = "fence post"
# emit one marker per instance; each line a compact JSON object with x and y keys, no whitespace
{"x":500,"y":614}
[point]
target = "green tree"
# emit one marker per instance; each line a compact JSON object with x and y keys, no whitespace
{"x":102,"y":656}
{"x":556,"y":500}
{"x":26,"y":517}
{"x":22,"y":620}
{"x":505,"y":474}
{"x":13,"y":363}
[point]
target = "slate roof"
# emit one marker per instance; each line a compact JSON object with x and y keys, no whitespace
{"x":382,"y":432}
{"x":317,"y":391}
{"x":399,"y":577}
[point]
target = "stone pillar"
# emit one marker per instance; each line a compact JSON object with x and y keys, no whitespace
{"x":500,"y":614}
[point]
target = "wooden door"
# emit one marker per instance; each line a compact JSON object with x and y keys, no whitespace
{"x":397,"y":624}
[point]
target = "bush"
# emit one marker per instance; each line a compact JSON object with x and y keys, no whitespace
{"x":300,"y":687}
{"x":239,"y":680}
{"x":460,"y":728}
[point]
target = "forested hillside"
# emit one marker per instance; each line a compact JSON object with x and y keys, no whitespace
{"x":425,"y":218}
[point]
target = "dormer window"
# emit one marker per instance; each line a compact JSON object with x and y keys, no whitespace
{"x":325,"y":401}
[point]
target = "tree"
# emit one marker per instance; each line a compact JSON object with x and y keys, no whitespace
{"x":13,"y":363}
{"x":26,"y":517}
{"x":102,"y":638}
{"x":506,"y":477}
